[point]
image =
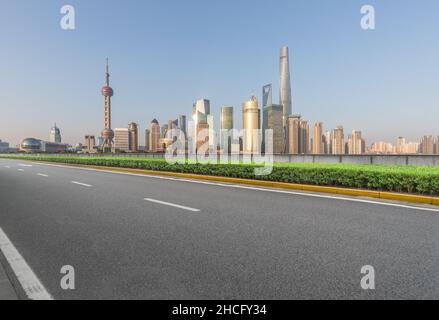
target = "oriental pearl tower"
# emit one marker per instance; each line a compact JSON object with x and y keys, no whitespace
{"x":107,"y":133}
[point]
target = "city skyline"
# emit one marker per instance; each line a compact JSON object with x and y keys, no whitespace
{"x":290,"y":134}
{"x":366,"y":86}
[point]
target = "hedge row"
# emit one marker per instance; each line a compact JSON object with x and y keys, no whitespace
{"x":408,"y":181}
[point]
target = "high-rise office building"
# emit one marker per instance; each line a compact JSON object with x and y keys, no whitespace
{"x":90,"y":143}
{"x":251,"y":119}
{"x":285,"y":84}
{"x":154,"y":136}
{"x":202,"y":134}
{"x":338,"y":143}
{"x":134,"y":137}
{"x":182,"y":124}
{"x":55,"y":135}
{"x":356,"y":144}
{"x":107,"y":134}
{"x":273,"y":120}
{"x":304,"y":137}
{"x":212,"y":134}
{"x":428,"y":145}
{"x":200,"y":111}
{"x":293,"y":134}
{"x":317,"y":138}
{"x":267,"y":95}
{"x":226,"y":127}
{"x":328,"y":142}
{"x":121,"y":140}
{"x":163,"y":131}
{"x":147,"y":133}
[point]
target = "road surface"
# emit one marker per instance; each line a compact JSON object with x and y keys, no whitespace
{"x":143,"y":237}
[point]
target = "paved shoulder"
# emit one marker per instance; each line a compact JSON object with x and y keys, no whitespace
{"x":7,"y":291}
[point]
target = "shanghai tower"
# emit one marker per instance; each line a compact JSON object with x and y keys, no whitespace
{"x":107,"y":133}
{"x":285,"y":84}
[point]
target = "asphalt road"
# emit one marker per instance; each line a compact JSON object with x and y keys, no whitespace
{"x":192,"y":240}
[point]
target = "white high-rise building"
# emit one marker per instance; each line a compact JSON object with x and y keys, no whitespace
{"x":201,"y":119}
{"x":55,"y":135}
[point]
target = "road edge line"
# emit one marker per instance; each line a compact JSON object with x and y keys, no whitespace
{"x":23,"y":275}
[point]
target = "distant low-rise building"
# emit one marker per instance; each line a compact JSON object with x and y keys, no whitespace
{"x":32,"y":145}
{"x":4,"y":146}
{"x":90,"y":144}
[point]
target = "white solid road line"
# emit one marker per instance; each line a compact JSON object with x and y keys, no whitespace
{"x":237,"y":186}
{"x":172,"y":205}
{"x":30,"y":283}
{"x":25,"y":165}
{"x":42,"y":175}
{"x":21,"y":170}
{"x":7,"y":167}
{"x":82,"y":184}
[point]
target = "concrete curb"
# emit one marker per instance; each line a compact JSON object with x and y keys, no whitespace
{"x":412,"y":198}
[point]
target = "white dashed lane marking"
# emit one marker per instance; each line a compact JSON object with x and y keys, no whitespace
{"x":82,"y":184}
{"x":172,"y":205}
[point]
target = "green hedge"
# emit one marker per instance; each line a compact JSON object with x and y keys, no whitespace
{"x":409,"y":179}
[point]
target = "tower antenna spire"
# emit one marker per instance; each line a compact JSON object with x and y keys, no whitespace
{"x":107,"y":74}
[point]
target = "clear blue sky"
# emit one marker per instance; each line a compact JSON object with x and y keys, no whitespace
{"x":166,"y":54}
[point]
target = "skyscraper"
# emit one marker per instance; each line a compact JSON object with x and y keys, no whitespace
{"x":304,"y":137}
{"x":338,"y":144}
{"x":273,"y":120}
{"x":163,"y":131}
{"x":285,"y":84}
{"x":107,"y":133}
{"x":317,"y":138}
{"x":154,"y":136}
{"x":121,"y":140}
{"x":226,"y":126}
{"x":133,"y":137}
{"x":147,"y":132}
{"x":267,"y":94}
{"x":55,"y":135}
{"x":182,"y":123}
{"x":251,"y":119}
{"x":293,"y":131}
{"x":200,"y":113}
{"x":328,"y":142}
{"x":202,"y":135}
